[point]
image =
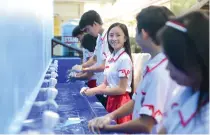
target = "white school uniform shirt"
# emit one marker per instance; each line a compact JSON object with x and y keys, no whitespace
{"x":86,"y":55}
{"x":182,"y":117}
{"x":101,"y":52}
{"x":117,"y":66}
{"x":155,"y":89}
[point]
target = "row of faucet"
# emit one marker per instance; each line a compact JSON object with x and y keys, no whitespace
{"x":49,"y":117}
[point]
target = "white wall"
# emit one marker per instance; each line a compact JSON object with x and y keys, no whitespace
{"x":25,"y":51}
{"x":68,"y":10}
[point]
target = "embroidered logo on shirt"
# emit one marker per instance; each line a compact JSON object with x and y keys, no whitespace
{"x":124,"y":71}
{"x":107,"y":67}
{"x":153,"y":112}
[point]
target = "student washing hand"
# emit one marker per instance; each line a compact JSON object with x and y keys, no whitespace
{"x":71,"y":76}
{"x":84,"y":91}
{"x":99,"y":123}
{"x":118,"y":73}
{"x":77,"y":68}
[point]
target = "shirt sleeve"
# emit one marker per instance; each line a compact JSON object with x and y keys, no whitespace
{"x":155,"y":97}
{"x":125,"y":68}
{"x":90,"y":54}
{"x":169,"y":110}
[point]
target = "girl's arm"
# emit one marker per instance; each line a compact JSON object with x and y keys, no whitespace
{"x":144,"y":124}
{"x":119,"y":90}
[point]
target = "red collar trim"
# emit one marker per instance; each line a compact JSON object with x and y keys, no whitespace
{"x":114,"y":60}
{"x":185,"y":122}
{"x":153,"y":68}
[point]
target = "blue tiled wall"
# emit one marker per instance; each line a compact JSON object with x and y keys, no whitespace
{"x":26,"y":29}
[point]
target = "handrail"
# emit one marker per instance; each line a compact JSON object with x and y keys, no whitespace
{"x":59,"y":42}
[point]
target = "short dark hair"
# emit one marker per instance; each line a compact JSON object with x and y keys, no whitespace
{"x":89,"y":42}
{"x":77,"y":31}
{"x":151,"y":19}
{"x":189,"y":51}
{"x":89,"y":18}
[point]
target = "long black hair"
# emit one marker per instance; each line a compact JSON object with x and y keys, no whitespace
{"x":189,"y":51}
{"x":127,"y":45}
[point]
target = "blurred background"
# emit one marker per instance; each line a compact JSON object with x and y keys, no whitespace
{"x":116,"y":11}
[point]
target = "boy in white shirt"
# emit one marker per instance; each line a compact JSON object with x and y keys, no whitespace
{"x":91,"y":23}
